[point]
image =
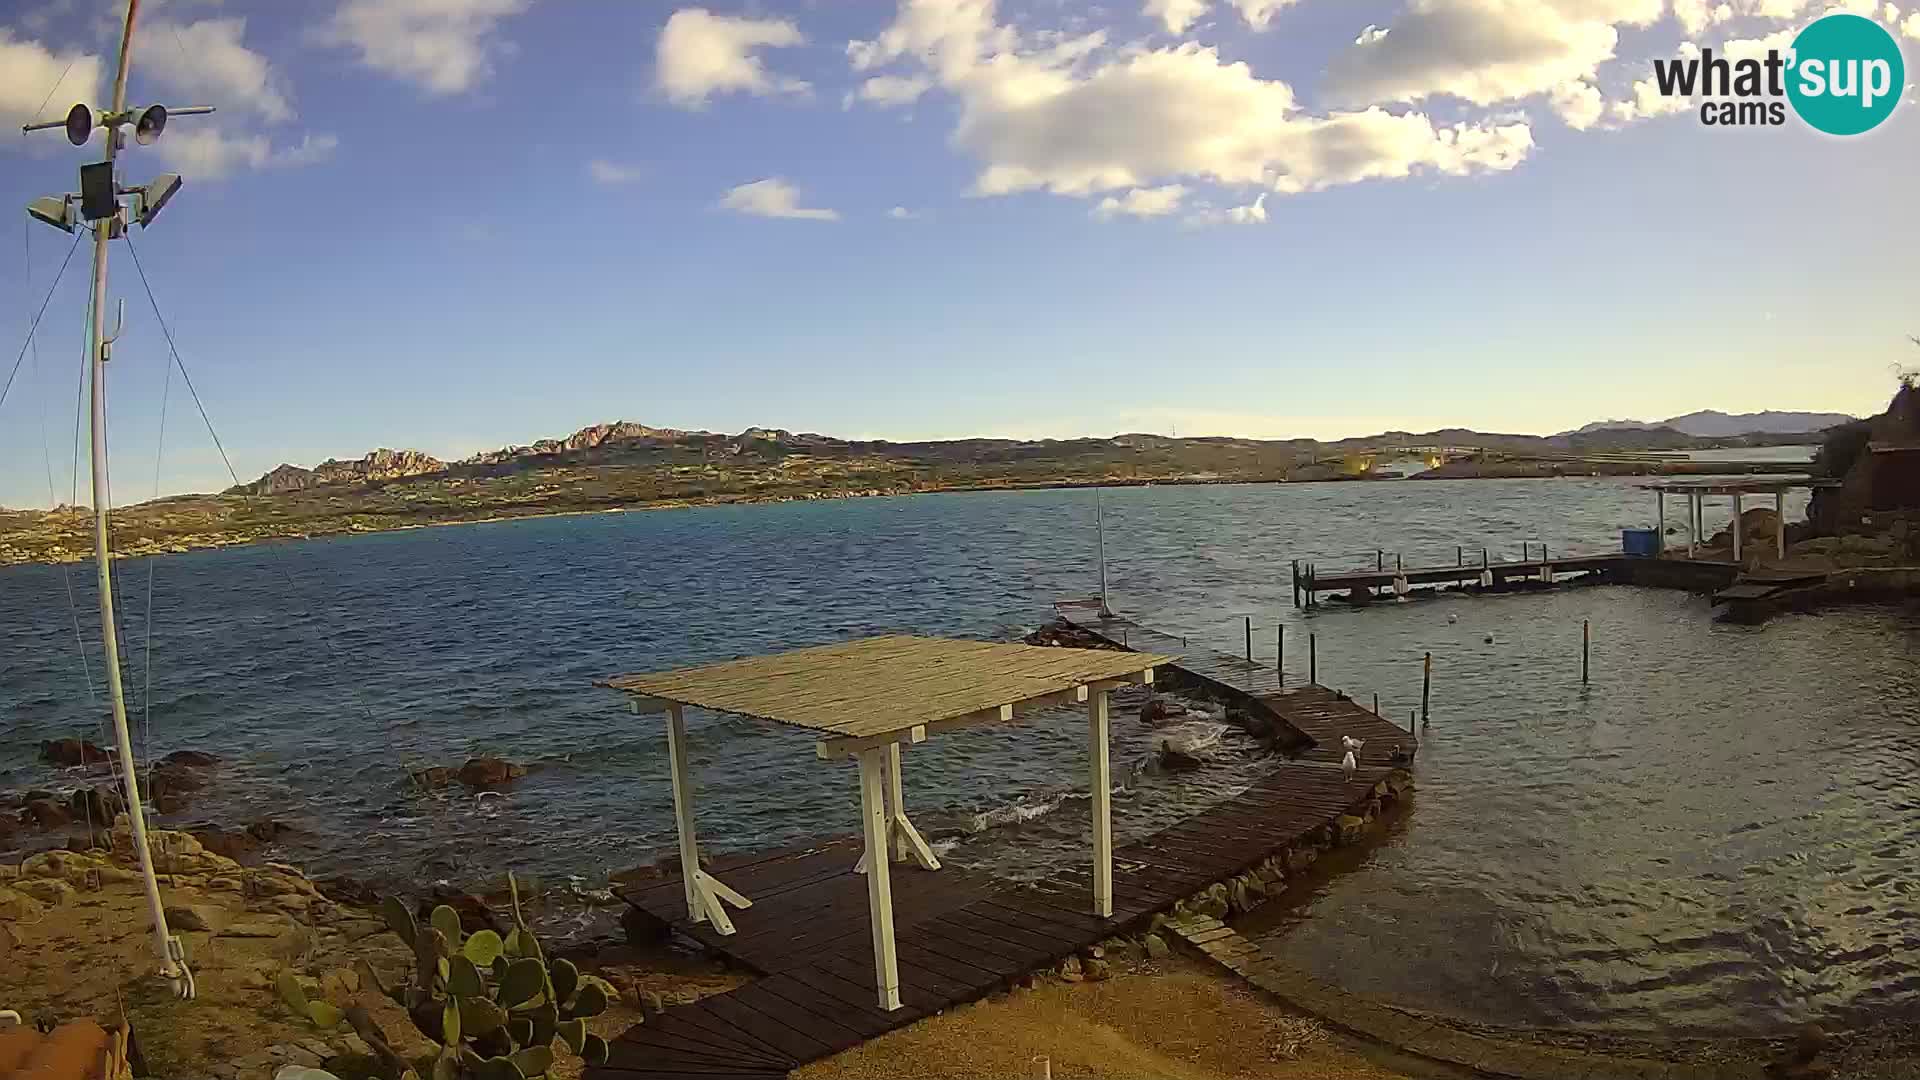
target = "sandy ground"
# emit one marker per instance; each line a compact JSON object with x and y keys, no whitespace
{"x":1178,"y":1022}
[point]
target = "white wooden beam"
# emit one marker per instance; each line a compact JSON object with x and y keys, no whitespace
{"x":829,"y":749}
{"x":886,"y":966}
{"x":704,"y":892}
{"x":1100,"y":785}
{"x":896,"y":804}
{"x":683,"y":813}
{"x":1737,"y":530}
{"x":642,"y":705}
{"x":1780,"y":524}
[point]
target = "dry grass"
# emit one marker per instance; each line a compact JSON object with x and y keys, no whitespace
{"x":1180,"y":1023}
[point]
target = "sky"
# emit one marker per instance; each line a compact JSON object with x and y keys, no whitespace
{"x":453,"y":225}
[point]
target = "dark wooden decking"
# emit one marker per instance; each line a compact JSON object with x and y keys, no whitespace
{"x":959,"y":936}
{"x":956,"y":944}
{"x":1309,"y":582}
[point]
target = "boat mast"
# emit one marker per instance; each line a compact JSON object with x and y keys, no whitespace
{"x":1100,"y":534}
{"x":102,"y":208}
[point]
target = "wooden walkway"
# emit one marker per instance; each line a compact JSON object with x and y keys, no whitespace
{"x":1309,"y":582}
{"x":956,"y":944}
{"x":1317,"y":715}
{"x":959,"y":936}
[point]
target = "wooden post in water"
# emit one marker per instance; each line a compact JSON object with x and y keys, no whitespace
{"x":1280,"y":651}
{"x":1459,"y":555}
{"x":1379,"y":560}
{"x":1376,"y":704}
{"x":1249,"y":639}
{"x":1313,"y":659}
{"x":1586,"y":642}
{"x":1426,"y":686}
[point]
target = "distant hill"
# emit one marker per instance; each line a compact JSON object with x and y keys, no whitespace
{"x":1714,"y":424}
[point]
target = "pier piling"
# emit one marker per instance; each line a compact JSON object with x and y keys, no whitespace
{"x":1313,"y":659}
{"x":1280,"y":651}
{"x":1586,"y":641}
{"x":1426,"y":686}
{"x":1249,"y":639}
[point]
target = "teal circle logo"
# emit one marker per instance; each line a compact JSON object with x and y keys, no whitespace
{"x":1846,"y":75}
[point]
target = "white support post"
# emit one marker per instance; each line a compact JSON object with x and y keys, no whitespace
{"x":1737,"y":530}
{"x":873,"y":817}
{"x":1100,"y":785}
{"x":1660,"y":500}
{"x":1693,"y":523}
{"x":704,"y":892}
{"x":1780,"y":524}
{"x":896,"y":806}
{"x":683,"y":812}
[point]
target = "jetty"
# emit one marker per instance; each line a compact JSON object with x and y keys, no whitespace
{"x":1309,"y":582}
{"x":851,"y":937}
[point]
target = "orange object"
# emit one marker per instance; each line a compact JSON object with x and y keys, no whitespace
{"x":81,"y":1050}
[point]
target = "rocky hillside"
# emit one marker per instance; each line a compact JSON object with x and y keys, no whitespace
{"x":1714,"y":424}
{"x":379,"y":465}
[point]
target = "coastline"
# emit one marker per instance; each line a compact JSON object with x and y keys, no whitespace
{"x":12,"y":554}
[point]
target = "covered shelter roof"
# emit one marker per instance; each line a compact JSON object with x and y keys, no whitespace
{"x":1736,"y":485}
{"x":882,"y":685}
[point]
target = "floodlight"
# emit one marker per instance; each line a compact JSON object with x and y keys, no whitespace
{"x":55,"y":210}
{"x":148,"y":123}
{"x":79,"y":125}
{"x":98,"y":199}
{"x":155,"y":195}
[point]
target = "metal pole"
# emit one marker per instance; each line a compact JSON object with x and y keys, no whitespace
{"x":1459,"y":555}
{"x":1313,"y":659}
{"x":1376,"y":704}
{"x":1426,"y":687}
{"x":1280,"y":651}
{"x":163,"y":948}
{"x":1586,"y":642}
{"x":1249,"y":639}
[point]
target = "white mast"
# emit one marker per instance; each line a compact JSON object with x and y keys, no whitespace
{"x":100,"y":205}
{"x":1100,"y":533}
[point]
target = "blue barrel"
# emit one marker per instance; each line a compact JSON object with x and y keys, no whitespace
{"x":1644,"y":542}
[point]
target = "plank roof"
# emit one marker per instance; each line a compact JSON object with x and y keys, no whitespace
{"x":881,"y":685}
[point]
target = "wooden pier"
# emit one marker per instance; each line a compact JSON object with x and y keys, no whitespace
{"x":1309,"y":581}
{"x":961,"y":936}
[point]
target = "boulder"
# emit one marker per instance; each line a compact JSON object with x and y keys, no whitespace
{"x":95,"y":804}
{"x":1351,"y":827}
{"x":50,"y":891}
{"x":1172,"y":760}
{"x":9,"y":828}
{"x":1071,"y":971}
{"x":490,"y":772}
{"x":68,"y":753}
{"x":17,"y":906}
{"x":1096,"y":969}
{"x":232,"y":844}
{"x":474,"y":913}
{"x":192,"y":759}
{"x":431,"y":779}
{"x":45,"y":814}
{"x":186,"y":919}
{"x":1155,"y":946}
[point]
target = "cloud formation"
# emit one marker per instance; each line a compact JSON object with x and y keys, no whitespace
{"x":700,"y":54}
{"x":208,"y":64}
{"x":1072,"y":116}
{"x":773,"y":197}
{"x":37,"y":83}
{"x":1142,"y":203}
{"x":205,"y":152}
{"x":443,"y":46}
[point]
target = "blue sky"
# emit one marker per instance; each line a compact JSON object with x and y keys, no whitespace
{"x":458,"y":224}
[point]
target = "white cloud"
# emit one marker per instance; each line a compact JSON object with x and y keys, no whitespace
{"x":31,"y":73}
{"x":1259,"y":13}
{"x":1911,"y":27}
{"x":1142,"y":203}
{"x":1698,"y":15}
{"x":206,"y":61}
{"x":445,"y":46}
{"x":1579,"y":103}
{"x":1176,"y":15}
{"x":901,"y":213}
{"x":1069,"y":116}
{"x":890,"y":90}
{"x":1254,"y":213}
{"x":1484,"y":51}
{"x":205,"y":152}
{"x":1371,"y":34}
{"x":700,"y":54}
{"x":774,"y":198}
{"x":613,"y":173}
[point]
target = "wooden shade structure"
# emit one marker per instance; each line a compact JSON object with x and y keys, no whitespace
{"x":1695,"y":491}
{"x":865,"y":699}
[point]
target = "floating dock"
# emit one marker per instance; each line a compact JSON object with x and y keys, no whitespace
{"x":961,"y":936}
{"x":1309,"y":582}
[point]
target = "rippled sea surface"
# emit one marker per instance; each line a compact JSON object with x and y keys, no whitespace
{"x":1716,"y":834}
